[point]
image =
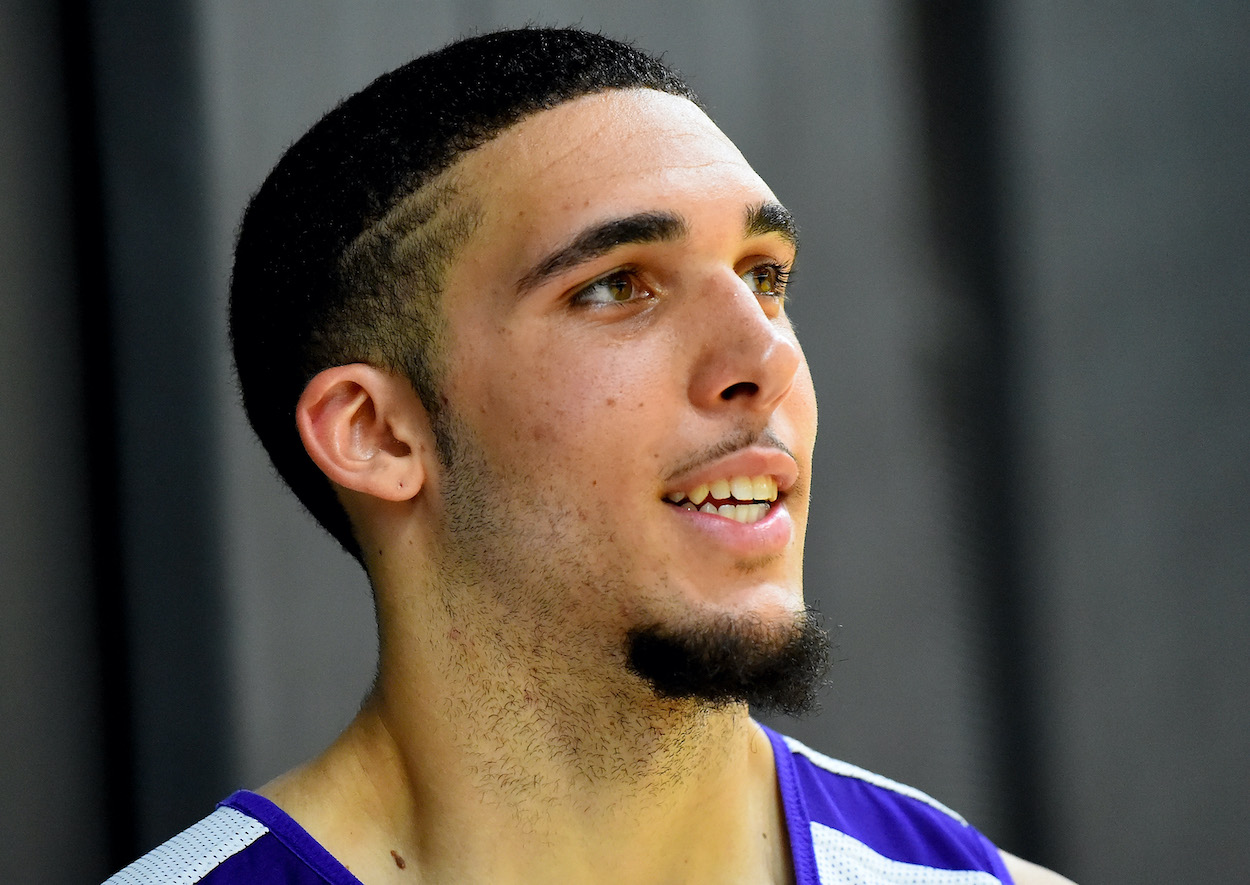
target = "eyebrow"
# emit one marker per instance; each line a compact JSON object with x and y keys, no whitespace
{"x":772,"y":218}
{"x":647,"y":227}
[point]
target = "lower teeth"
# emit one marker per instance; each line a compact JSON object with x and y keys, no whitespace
{"x":737,"y":512}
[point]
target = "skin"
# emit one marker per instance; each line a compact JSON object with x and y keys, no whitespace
{"x":505,"y":739}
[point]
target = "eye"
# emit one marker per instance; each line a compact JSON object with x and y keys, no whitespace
{"x":619,"y":287}
{"x":767,"y":279}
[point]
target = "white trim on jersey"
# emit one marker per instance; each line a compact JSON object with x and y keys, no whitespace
{"x":836,"y":766}
{"x":194,"y":853}
{"x":844,"y":860}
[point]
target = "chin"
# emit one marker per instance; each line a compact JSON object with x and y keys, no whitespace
{"x":747,"y":596}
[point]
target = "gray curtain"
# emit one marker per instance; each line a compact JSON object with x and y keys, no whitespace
{"x":1022,"y":289}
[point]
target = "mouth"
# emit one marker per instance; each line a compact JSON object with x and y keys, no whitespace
{"x":744,"y":499}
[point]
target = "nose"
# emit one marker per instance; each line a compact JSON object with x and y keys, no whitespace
{"x":747,"y":359}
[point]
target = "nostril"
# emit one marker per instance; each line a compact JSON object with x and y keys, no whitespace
{"x":742,"y":388}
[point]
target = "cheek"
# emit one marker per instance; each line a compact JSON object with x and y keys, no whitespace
{"x":807,"y":396}
{"x":573,"y":397}
{"x":565,"y":412}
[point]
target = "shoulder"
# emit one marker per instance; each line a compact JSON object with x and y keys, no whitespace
{"x":842,"y":800}
{"x":856,"y":825}
{"x":1026,"y":873}
{"x":247,"y":839}
{"x":827,"y":766}
{"x":197,"y":851}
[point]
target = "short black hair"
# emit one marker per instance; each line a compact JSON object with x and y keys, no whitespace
{"x":341,"y":252}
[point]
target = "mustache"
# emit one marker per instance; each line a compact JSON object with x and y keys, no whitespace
{"x":736,"y":441}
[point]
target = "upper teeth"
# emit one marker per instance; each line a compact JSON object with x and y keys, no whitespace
{"x":737,"y":489}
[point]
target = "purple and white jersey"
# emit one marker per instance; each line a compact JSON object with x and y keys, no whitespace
{"x":846,"y":826}
{"x":851,"y":827}
{"x":247,"y":841}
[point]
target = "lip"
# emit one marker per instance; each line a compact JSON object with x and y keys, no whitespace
{"x":765,"y":537}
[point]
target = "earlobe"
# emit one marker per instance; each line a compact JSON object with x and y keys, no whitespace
{"x":359,"y":426}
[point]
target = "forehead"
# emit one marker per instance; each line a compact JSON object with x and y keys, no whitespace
{"x":605,"y":155}
{"x":579,"y":140}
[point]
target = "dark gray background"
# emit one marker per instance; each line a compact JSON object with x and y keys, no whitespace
{"x":1023,"y":292}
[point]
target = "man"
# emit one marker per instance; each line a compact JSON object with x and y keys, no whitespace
{"x":511,"y":323}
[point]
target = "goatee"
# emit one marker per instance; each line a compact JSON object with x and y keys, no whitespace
{"x":773,"y":669}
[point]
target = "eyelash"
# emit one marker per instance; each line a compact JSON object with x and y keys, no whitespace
{"x":581,"y":298}
{"x":780,"y":281}
{"x":781,"y":277}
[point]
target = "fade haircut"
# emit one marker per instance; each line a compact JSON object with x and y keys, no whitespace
{"x":341,"y":253}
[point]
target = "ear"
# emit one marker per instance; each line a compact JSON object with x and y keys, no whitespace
{"x":364,"y":428}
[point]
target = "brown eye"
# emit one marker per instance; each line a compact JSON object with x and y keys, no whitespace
{"x":617,"y":288}
{"x":766,"y":279}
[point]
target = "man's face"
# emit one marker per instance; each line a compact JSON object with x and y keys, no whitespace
{"x":617,"y":348}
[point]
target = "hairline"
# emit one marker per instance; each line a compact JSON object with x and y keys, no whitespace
{"x":448,"y":192}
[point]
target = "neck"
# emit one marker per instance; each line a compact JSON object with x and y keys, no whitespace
{"x":521,"y":753}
